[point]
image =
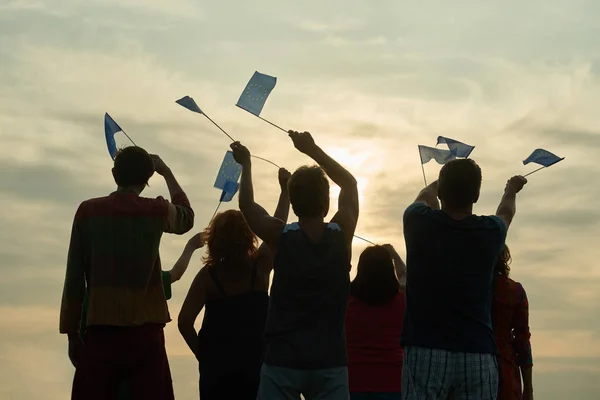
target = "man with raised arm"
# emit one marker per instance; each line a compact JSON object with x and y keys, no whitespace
{"x":113,"y":257}
{"x":305,"y":337}
{"x":451,"y":253}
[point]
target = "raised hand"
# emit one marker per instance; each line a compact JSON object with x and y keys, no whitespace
{"x":284,"y":177}
{"x":515,"y":184}
{"x":159,"y":165}
{"x":303,"y":141}
{"x":241,"y":154}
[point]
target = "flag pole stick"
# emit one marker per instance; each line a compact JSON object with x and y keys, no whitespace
{"x":361,"y":238}
{"x":217,"y":125}
{"x":534,"y":171}
{"x":264,"y":159}
{"x":424,"y":178}
{"x":217,"y":209}
{"x":125,"y":133}
{"x":269,"y":122}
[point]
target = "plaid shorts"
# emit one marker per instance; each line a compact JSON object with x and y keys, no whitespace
{"x":431,"y":374}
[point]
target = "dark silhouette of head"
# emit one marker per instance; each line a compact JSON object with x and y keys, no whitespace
{"x":459,"y":184}
{"x":376,"y":282}
{"x":229,"y":240}
{"x":133,"y":168}
{"x":309,"y":192}
{"x":503,"y":263}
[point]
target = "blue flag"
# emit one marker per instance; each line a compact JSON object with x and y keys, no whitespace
{"x":440,"y":155}
{"x":189,"y":103}
{"x":459,"y":149}
{"x":110,"y":128}
{"x":256,"y":92}
{"x":542,"y":157}
{"x":230,"y":190}
{"x":230,"y":171}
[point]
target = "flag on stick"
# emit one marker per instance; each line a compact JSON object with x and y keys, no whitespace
{"x":255,"y":95}
{"x":459,"y":149}
{"x":441,"y":156}
{"x":110,"y":128}
{"x":229,"y":191}
{"x":230,"y":171}
{"x":190,"y":104}
{"x":543,"y":158}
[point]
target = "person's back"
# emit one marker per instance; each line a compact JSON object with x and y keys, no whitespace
{"x":374,"y":319}
{"x":113,"y":256}
{"x":305,"y":326}
{"x":451,"y":255}
{"x":305,"y":341}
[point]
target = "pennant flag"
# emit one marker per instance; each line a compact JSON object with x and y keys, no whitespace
{"x":110,"y":128}
{"x":256,"y":92}
{"x":542,"y":157}
{"x":230,"y":190}
{"x":459,"y":149}
{"x":189,"y":103}
{"x":439,"y":155}
{"x":230,"y":171}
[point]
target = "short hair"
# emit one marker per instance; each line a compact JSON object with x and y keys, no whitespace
{"x":376,"y":282}
{"x":309,"y":192}
{"x":229,"y":240}
{"x":459,"y":183}
{"x":133,"y":166}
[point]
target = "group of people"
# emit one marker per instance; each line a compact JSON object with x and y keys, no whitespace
{"x":448,"y":324}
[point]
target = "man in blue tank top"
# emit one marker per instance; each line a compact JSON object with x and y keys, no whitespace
{"x":450,"y":257}
{"x":305,"y":337}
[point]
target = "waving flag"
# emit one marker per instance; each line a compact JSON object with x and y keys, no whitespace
{"x":459,"y":149}
{"x":542,"y":157}
{"x":230,"y":171}
{"x":230,"y":190}
{"x":110,"y":128}
{"x":439,"y":155}
{"x":256,"y":92}
{"x":189,"y":103}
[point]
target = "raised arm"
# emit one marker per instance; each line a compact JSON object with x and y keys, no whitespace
{"x":399,"y":265}
{"x":267,"y":228}
{"x":192,"y":305}
{"x":429,"y":196}
{"x":348,"y":207}
{"x":180,"y":217}
{"x":73,"y":292}
{"x":508,"y":205}
{"x":195,"y":243}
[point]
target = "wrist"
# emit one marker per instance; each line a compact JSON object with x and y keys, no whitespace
{"x":313,"y":151}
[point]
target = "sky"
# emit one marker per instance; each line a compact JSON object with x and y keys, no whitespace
{"x":370,"y":80}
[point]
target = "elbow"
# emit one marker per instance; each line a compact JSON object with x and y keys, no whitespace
{"x":183,"y":324}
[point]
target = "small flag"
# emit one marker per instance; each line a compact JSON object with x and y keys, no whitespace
{"x":459,"y":149}
{"x":189,"y":103}
{"x":230,"y":171}
{"x":439,"y":155}
{"x":542,"y":157}
{"x":256,"y":92}
{"x":110,"y":128}
{"x":230,"y":190}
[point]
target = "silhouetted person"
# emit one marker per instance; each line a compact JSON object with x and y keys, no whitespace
{"x":451,"y":253}
{"x":374,"y":318}
{"x":510,"y":317}
{"x":233,"y":286}
{"x":113,"y":255}
{"x":306,"y":347}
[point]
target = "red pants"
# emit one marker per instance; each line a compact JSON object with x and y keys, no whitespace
{"x":112,"y":354}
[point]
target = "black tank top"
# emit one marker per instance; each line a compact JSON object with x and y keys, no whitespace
{"x":230,"y":340}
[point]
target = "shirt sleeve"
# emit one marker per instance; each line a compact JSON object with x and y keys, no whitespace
{"x":74,"y":286}
{"x":166,"y":281}
{"x":522,"y":335}
{"x":180,"y":216}
{"x":501,"y":225}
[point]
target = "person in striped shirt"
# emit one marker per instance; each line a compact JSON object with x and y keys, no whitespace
{"x":114,"y":258}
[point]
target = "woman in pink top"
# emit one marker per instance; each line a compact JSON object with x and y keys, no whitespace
{"x":374,"y":319}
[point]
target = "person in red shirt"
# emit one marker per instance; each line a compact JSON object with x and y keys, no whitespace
{"x":510,"y":318}
{"x":374,"y":318}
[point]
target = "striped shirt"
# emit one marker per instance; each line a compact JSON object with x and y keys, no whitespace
{"x":114,"y":255}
